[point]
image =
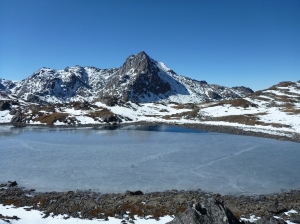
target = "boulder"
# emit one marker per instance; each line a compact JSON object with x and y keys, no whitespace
{"x":295,"y":217}
{"x":210,"y":211}
{"x":12,"y":183}
{"x":134,"y":193}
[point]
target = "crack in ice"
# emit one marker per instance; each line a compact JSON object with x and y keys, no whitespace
{"x":223,"y":158}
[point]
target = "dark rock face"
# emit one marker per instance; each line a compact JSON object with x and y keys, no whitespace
{"x":209,"y":211}
{"x":109,"y":118}
{"x":17,"y":118}
{"x":270,"y":220}
{"x":214,"y":95}
{"x":243,"y":89}
{"x":4,"y":105}
{"x":32,"y":98}
{"x":138,"y":77}
{"x":109,"y":101}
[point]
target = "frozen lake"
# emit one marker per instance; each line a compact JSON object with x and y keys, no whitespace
{"x":149,"y":158}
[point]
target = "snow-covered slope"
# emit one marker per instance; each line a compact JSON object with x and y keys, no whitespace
{"x":57,"y":86}
{"x":140,"y":79}
{"x":274,"y":110}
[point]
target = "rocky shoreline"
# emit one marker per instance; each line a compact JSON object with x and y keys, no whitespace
{"x":91,"y":205}
{"x":196,"y":126}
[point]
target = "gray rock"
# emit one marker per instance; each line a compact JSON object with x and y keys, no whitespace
{"x":295,"y":218}
{"x":210,"y":211}
{"x":32,"y":98}
{"x":17,"y":118}
{"x":13,"y":111}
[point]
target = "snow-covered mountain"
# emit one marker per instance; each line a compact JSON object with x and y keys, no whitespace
{"x":140,"y":79}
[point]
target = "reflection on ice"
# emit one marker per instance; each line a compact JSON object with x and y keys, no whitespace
{"x":149,"y":158}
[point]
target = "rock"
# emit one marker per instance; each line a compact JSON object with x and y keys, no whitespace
{"x":214,"y":95}
{"x":13,"y":111}
{"x":270,"y":220}
{"x":295,"y":217}
{"x":12,"y":183}
{"x":34,"y":107}
{"x":109,"y":118}
{"x":4,"y":105}
{"x":109,"y":100}
{"x":120,"y":215}
{"x":32,"y":98}
{"x":275,"y":208}
{"x":134,"y":193}
{"x":17,"y":118}
{"x":210,"y":211}
{"x":82,"y":106}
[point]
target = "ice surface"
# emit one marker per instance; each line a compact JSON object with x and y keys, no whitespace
{"x":149,"y":158}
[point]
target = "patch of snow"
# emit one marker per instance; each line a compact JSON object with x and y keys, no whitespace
{"x":86,"y":120}
{"x":255,"y":128}
{"x":5,"y":117}
{"x":227,"y":109}
{"x":252,"y":218}
{"x":292,"y":211}
{"x":59,"y":123}
{"x":36,"y":217}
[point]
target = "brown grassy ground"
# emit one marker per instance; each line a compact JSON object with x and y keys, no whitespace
{"x":50,"y":119}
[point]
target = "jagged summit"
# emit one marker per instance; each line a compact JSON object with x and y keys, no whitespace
{"x":140,"y":79}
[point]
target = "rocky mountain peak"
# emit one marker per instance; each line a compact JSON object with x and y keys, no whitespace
{"x":138,"y":79}
{"x":138,"y":64}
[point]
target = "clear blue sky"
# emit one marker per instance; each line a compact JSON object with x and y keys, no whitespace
{"x":238,"y":42}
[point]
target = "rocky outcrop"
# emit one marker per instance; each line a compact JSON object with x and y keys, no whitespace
{"x":4,"y":105}
{"x":242,"y":90}
{"x":209,"y":211}
{"x":17,"y":118}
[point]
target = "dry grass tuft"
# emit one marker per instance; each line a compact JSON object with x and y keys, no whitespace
{"x":240,"y":102}
{"x":50,"y":119}
{"x":249,"y":119}
{"x":241,"y":119}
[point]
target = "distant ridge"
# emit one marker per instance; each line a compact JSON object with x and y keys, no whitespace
{"x":140,"y":79}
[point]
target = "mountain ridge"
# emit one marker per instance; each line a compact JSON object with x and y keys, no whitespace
{"x":140,"y":79}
